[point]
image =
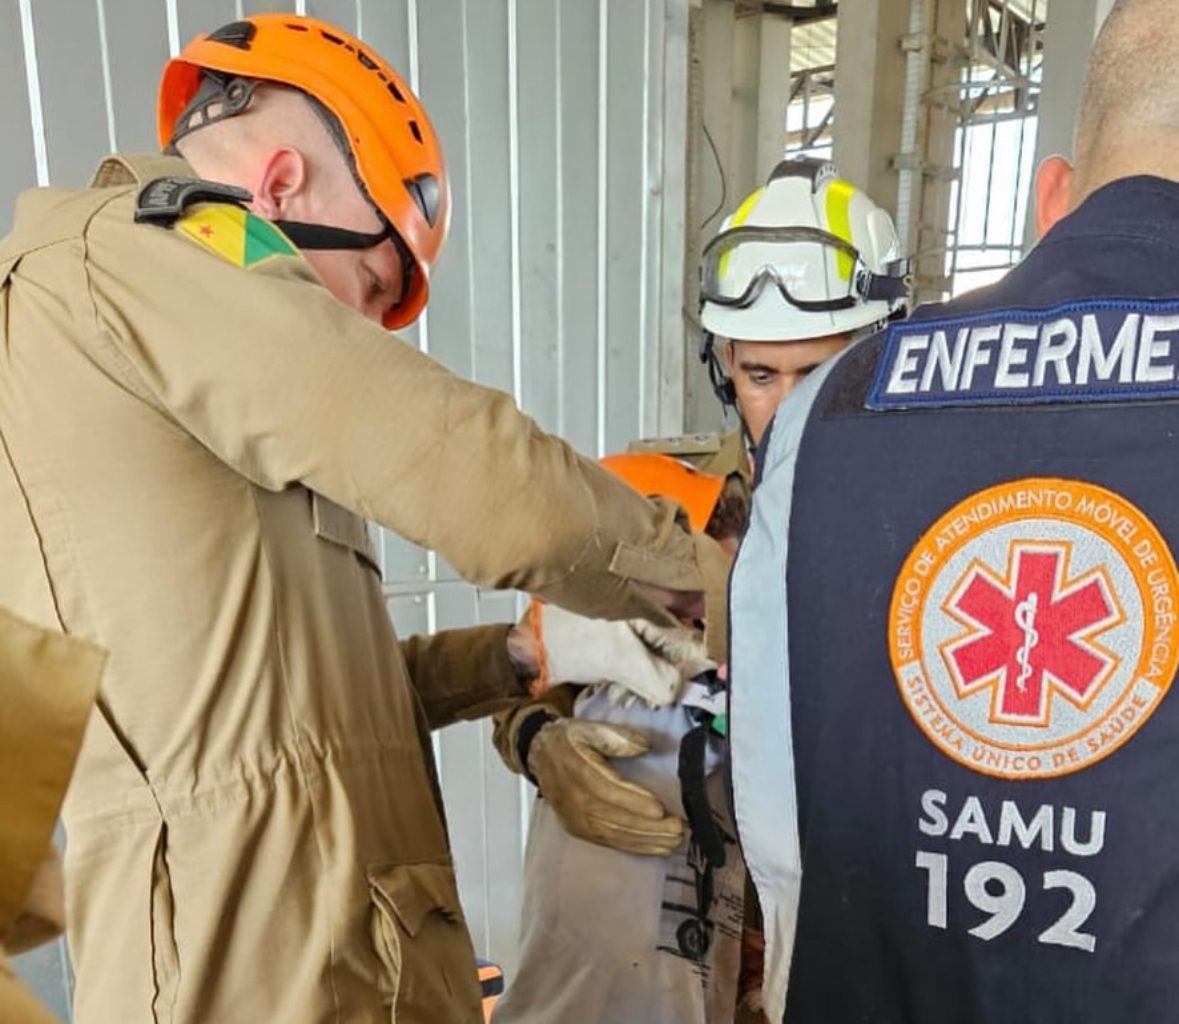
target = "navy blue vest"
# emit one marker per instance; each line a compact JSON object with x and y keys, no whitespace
{"x":981,"y":637}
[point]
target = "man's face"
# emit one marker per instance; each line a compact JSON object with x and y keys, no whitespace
{"x":765,"y":372}
{"x":368,"y":280}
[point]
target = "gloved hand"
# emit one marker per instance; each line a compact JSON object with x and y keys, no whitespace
{"x":567,"y":758}
{"x":640,"y":657}
{"x":683,"y":648}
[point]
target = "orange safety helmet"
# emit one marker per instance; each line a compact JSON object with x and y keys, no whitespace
{"x":660,"y":476}
{"x":395,"y":150}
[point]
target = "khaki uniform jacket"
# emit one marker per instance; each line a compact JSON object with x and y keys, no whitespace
{"x":255,"y":832}
{"x":725,"y":456}
{"x":47,"y":687}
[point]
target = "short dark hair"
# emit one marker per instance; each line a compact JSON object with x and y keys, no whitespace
{"x":730,"y":516}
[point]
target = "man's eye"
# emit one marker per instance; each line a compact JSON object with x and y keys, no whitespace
{"x":761,"y":379}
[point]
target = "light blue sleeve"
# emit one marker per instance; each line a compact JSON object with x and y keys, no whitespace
{"x":762,"y":744}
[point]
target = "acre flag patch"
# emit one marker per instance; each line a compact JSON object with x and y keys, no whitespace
{"x":235,"y":234}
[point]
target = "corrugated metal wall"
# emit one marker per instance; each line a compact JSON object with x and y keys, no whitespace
{"x":563,"y":121}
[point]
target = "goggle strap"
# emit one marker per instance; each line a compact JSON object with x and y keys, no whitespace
{"x":885,"y":288}
{"x":781,"y":236}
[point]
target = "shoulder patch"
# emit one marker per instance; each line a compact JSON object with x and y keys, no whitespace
{"x":234,"y":234}
{"x":688,"y":444}
{"x":1089,"y":351}
{"x":164,"y":200}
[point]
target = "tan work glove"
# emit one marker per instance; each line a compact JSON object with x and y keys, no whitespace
{"x":567,"y":758}
{"x":647,"y":660}
{"x":683,"y":648}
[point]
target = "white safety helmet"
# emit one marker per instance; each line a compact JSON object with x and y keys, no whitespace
{"x":806,"y":256}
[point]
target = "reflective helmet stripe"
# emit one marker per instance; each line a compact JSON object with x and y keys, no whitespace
{"x":739,"y":218}
{"x":839,"y":197}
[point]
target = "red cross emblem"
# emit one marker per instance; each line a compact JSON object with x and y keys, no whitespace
{"x":206,"y":231}
{"x":1031,"y":633}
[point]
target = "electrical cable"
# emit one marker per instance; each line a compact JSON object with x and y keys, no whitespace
{"x":720,"y":167}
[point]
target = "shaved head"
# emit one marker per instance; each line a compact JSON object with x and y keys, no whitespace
{"x":277,"y":117}
{"x":1128,"y":121}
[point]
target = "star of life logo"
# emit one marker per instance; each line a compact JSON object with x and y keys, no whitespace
{"x":1033,"y":627}
{"x":1032,"y":632}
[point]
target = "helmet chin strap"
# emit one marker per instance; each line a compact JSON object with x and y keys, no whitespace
{"x":324,"y":237}
{"x":722,"y":384}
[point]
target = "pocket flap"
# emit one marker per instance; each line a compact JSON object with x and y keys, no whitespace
{"x":335,"y":523}
{"x":411,"y":892}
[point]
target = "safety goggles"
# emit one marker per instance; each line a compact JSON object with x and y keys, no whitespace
{"x":814,"y":270}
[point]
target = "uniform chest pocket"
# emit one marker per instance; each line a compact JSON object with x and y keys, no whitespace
{"x":422,"y":940}
{"x":336,"y":524}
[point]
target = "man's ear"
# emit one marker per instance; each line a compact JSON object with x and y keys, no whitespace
{"x":1054,"y":193}
{"x":283,"y":177}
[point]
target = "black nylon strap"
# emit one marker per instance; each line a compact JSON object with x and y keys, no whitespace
{"x":323,"y":236}
{"x":705,"y":834}
{"x":531,"y":725}
{"x":886,"y":287}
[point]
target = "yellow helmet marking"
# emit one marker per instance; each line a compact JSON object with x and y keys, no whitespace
{"x":739,"y":218}
{"x":839,"y":197}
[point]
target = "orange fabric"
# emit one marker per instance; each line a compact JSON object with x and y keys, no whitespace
{"x":392,"y":139}
{"x":661,"y":476}
{"x":652,"y":476}
{"x":544,"y":678}
{"x":489,"y":972}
